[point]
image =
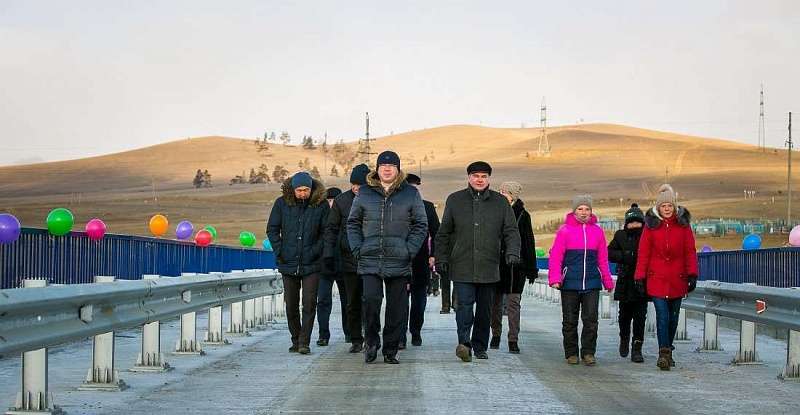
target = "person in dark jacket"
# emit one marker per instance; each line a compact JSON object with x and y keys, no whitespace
{"x":512,"y":278}
{"x":331,"y":273}
{"x":666,"y":266}
{"x":338,"y":253}
{"x":386,"y":228}
{"x":421,"y":272}
{"x":632,"y":305}
{"x":477,"y":221}
{"x":295,"y":229}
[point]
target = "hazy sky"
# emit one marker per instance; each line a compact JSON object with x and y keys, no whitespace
{"x":80,"y":78}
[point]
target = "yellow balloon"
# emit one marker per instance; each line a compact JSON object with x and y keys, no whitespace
{"x":159,"y":225}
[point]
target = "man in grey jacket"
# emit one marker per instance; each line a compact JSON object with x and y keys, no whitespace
{"x":476,"y":225}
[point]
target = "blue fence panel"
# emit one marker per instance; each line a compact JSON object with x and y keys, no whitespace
{"x":774,"y":267}
{"x":75,"y":259}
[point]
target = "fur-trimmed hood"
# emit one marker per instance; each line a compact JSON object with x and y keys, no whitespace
{"x":652,"y":219}
{"x":375,"y":182}
{"x":318,"y":192}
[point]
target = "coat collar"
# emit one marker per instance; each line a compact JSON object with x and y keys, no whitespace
{"x":317,"y":192}
{"x":653,"y":220}
{"x":374,"y":182}
{"x":571,"y":220}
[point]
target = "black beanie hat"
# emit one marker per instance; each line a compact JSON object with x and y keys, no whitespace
{"x":333,"y":192}
{"x":634,"y":214}
{"x":388,"y":157}
{"x":479,"y":167}
{"x":413,"y":179}
{"x":359,"y":174}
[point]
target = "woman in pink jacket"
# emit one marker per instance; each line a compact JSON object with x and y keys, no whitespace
{"x":578,"y":266}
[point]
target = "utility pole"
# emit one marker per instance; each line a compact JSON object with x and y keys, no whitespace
{"x":789,"y":177}
{"x":762,"y":137}
{"x":544,"y":144}
{"x":364,"y":147}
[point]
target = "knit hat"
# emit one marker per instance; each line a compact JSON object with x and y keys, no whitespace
{"x":479,"y":167}
{"x":359,"y":174}
{"x":332,"y":192}
{"x":666,"y":195}
{"x":389,"y":157}
{"x":581,"y":200}
{"x":301,"y":179}
{"x":412,"y":178}
{"x":514,"y":189}
{"x":634,"y":214}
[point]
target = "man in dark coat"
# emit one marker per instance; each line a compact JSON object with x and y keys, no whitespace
{"x":386,"y":228}
{"x":421,"y":272}
{"x":512,"y":278}
{"x":338,"y":254}
{"x":295,"y":229}
{"x":476,"y":223}
{"x":632,"y":304}
{"x":331,"y":274}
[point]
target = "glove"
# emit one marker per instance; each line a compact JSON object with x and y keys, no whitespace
{"x":532,"y":278}
{"x":442,"y":268}
{"x":640,"y":288}
{"x":692,"y":282}
{"x":512,"y":259}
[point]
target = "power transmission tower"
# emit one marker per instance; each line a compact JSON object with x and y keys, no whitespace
{"x":325,"y":155}
{"x":364,"y":147}
{"x":762,"y":137}
{"x":789,"y":177}
{"x":544,"y":144}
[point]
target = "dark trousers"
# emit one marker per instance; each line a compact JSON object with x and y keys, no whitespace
{"x":444,"y":282}
{"x":355,"y":301}
{"x":416,"y":314}
{"x":325,"y":305}
{"x":473,"y":325}
{"x":667,"y":313}
{"x":581,"y":304}
{"x":512,"y":310}
{"x":395,"y":316}
{"x":635,"y":311}
{"x":300,"y":331}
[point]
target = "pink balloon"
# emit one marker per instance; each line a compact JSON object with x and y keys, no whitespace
{"x":794,"y":236}
{"x":95,"y":229}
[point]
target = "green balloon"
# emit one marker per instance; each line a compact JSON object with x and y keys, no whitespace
{"x":540,"y":252}
{"x":211,"y":230}
{"x":247,"y":238}
{"x":60,"y":221}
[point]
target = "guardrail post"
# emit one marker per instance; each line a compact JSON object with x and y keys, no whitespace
{"x":150,"y":358}
{"x":650,"y":320}
{"x":792,"y":369}
{"x":747,"y":345}
{"x":269,"y":307}
{"x":34,"y":398}
{"x":187,"y":344}
{"x":214,"y":333}
{"x":710,"y":334}
{"x":103,"y":375}
{"x":280,"y":307}
{"x":250,"y":314}
{"x":259,"y":310}
{"x":605,"y":306}
{"x":236,"y":321}
{"x":682,"y":333}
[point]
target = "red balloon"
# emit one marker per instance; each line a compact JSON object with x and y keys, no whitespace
{"x":95,"y":229}
{"x":203,"y":238}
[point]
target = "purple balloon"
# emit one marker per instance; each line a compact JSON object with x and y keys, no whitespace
{"x":707,"y":248}
{"x":9,"y":228}
{"x":184,"y":230}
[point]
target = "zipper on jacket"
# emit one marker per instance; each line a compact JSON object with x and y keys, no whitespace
{"x":585,"y":253}
{"x":383,"y":215}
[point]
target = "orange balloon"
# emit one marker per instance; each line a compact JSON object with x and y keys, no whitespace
{"x":158,"y":225}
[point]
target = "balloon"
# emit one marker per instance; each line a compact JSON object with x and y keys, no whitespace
{"x":95,"y":229}
{"x":540,"y":252}
{"x":707,"y":248}
{"x":184,"y":230}
{"x":158,"y":225}
{"x":794,"y":236}
{"x":752,"y":241}
{"x":60,"y":221}
{"x":203,"y":238}
{"x":267,"y":245}
{"x":9,"y":228}
{"x":247,"y":238}
{"x":212,"y":230}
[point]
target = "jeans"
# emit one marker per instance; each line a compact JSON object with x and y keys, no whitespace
{"x":473,"y":325}
{"x":325,"y":305}
{"x":581,"y":304}
{"x":635,"y":311}
{"x":300,"y":330}
{"x":667,"y":313}
{"x":395,"y":315}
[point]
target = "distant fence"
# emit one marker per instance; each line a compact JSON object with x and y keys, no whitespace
{"x":75,"y":259}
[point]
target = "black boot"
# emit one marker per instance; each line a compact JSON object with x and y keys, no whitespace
{"x":390,"y":359}
{"x":624,"y":345}
{"x":513,"y":347}
{"x":636,"y":355}
{"x":370,"y":353}
{"x":495,"y":343}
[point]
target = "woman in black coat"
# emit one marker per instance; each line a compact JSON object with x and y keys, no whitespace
{"x":632,"y":304}
{"x":512,"y":278}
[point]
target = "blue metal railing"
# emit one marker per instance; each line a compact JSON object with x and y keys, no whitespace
{"x":75,"y":259}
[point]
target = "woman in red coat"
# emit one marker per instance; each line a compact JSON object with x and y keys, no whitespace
{"x":667,"y":266}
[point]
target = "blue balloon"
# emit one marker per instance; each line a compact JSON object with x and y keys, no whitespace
{"x":267,"y":246}
{"x":750,"y":242}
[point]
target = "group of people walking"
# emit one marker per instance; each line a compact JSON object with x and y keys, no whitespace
{"x":380,"y":240}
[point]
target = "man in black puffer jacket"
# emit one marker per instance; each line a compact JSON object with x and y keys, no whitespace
{"x":386,"y":228}
{"x":295,"y":229}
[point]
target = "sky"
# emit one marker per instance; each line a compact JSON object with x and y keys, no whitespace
{"x":84,"y":78}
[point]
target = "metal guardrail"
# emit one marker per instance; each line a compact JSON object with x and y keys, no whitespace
{"x":75,"y":259}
